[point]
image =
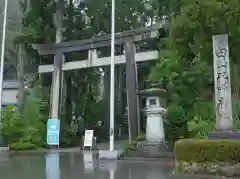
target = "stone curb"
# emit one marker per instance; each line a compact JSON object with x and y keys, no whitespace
{"x":198,"y":176}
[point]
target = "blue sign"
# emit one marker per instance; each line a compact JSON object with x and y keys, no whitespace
{"x":53,"y":130}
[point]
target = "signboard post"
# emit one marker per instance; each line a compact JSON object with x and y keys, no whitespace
{"x":88,"y":139}
{"x":53,"y":131}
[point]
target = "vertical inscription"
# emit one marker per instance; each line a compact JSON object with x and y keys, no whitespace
{"x":223,"y":102}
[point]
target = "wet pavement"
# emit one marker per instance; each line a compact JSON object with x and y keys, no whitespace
{"x":76,"y":165}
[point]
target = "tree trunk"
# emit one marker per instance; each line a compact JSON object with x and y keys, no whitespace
{"x":20,"y":65}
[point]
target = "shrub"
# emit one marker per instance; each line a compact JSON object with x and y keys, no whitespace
{"x":199,"y":128}
{"x":175,"y":123}
{"x":68,"y":137}
{"x":141,"y":138}
{"x":29,"y":126}
{"x":35,"y":122}
{"x":12,"y":124}
{"x":22,"y":146}
{"x":130,"y":147}
{"x":212,"y":151}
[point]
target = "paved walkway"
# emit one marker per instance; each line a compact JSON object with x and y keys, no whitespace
{"x":75,"y":165}
{"x":118,"y":145}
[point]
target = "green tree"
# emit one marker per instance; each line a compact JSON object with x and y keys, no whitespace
{"x":175,"y":123}
{"x":12,"y":124}
{"x":34,"y":120}
{"x":26,"y":129}
{"x":191,"y":32}
{"x":187,"y":70}
{"x":188,"y":85}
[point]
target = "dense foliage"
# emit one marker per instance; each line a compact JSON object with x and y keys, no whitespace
{"x":185,"y":68}
{"x":27,"y":128}
{"x":12,"y":125}
{"x":175,"y":124}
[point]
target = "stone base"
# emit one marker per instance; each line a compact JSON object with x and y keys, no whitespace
{"x":224,"y":135}
{"x":153,"y":150}
{"x":109,"y":155}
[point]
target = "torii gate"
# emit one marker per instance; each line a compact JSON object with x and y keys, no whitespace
{"x":128,"y":38}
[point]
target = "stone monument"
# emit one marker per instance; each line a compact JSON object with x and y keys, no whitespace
{"x":223,"y":99}
{"x":155,"y":145}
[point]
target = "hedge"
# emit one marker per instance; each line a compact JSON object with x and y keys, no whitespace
{"x":141,"y":138}
{"x":130,"y":147}
{"x":22,"y":146}
{"x":213,"y":151}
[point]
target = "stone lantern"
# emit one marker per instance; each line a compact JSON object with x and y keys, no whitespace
{"x":155,"y":111}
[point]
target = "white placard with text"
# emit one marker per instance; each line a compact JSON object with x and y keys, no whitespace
{"x":88,"y":138}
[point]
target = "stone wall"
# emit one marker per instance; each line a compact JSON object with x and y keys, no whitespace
{"x":219,"y":169}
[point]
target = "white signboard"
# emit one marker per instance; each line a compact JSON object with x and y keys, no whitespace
{"x":88,"y":138}
{"x":223,"y":101}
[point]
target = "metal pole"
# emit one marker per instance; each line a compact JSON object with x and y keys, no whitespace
{"x":112,"y":78}
{"x":2,"y":56}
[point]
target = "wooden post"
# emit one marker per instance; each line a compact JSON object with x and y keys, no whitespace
{"x":58,"y":61}
{"x":223,"y":101}
{"x":56,"y":86}
{"x":131,"y":85}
